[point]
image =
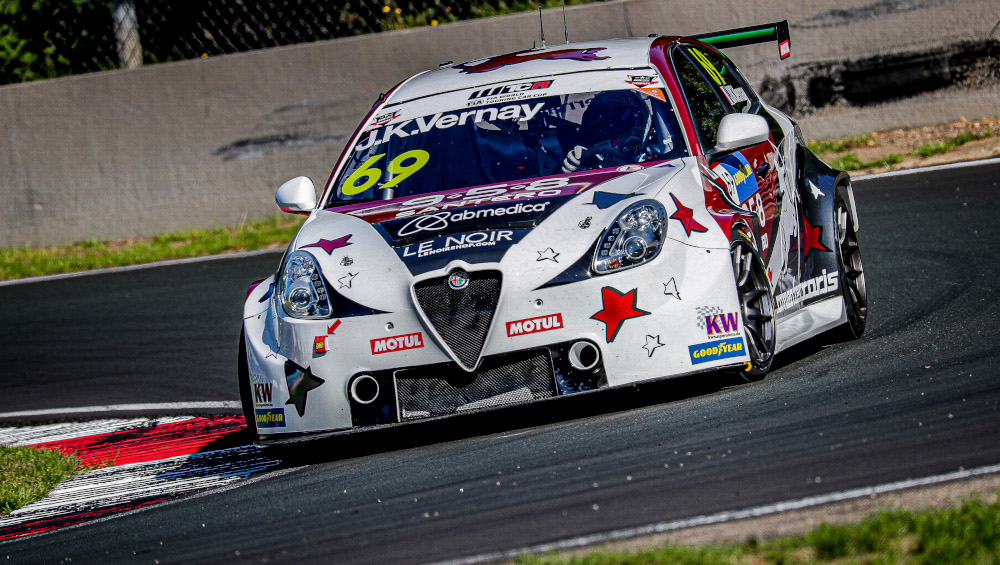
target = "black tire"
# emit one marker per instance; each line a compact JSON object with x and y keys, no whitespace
{"x":246,"y":395}
{"x":757,"y":306}
{"x":852,"y":272}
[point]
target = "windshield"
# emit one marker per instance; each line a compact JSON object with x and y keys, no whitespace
{"x":508,"y":141}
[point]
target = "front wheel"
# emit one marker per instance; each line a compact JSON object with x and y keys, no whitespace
{"x":246,"y":395}
{"x":757,"y":307}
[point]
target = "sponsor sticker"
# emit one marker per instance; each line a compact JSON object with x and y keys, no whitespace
{"x":534,"y":325}
{"x":440,"y":120}
{"x":270,"y":418}
{"x":457,"y":242}
{"x":716,"y":350}
{"x":383,"y":119}
{"x":319,"y":345}
{"x":824,"y":284}
{"x":397,"y":343}
{"x":442,"y":220}
{"x":262,"y":394}
{"x":508,"y":92}
{"x":641,"y":80}
{"x":721,"y":325}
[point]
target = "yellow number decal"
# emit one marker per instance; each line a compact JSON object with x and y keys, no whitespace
{"x":400,"y":172}
{"x":712,"y":71}
{"x":351,"y":186}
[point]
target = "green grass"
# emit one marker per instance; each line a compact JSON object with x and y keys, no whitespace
{"x":969,"y":534}
{"x":93,"y":254}
{"x":842,"y":144}
{"x":850,"y":162}
{"x":935,"y":148}
{"x":28,"y":474}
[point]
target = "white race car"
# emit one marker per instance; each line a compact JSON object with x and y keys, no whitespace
{"x":548,"y":222}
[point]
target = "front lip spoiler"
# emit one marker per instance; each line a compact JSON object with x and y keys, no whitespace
{"x":299,"y":438}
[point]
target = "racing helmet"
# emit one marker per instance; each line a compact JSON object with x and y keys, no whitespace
{"x":617,"y":117}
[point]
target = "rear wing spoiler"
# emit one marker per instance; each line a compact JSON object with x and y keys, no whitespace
{"x":778,"y":31}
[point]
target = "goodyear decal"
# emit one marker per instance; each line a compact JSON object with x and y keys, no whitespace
{"x":738,"y":175}
{"x":271,"y":418}
{"x":716,"y":350}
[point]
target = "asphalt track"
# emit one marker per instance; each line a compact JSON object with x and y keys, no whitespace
{"x":918,"y":395}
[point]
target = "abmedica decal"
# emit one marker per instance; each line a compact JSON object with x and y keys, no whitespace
{"x":534,"y":325}
{"x":397,"y":343}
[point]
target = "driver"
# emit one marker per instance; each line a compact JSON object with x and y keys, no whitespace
{"x":611,"y":132}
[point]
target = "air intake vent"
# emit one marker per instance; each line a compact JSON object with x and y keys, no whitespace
{"x":461,"y":317}
{"x":438,"y":390}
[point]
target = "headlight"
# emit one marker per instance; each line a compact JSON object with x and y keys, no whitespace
{"x":303,"y":290}
{"x":633,"y":238}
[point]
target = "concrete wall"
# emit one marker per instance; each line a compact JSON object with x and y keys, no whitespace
{"x":204,"y":142}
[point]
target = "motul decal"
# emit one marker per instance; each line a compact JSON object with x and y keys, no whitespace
{"x":534,"y":325}
{"x":397,"y":343}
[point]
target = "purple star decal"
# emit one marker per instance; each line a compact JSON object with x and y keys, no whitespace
{"x":328,"y":245}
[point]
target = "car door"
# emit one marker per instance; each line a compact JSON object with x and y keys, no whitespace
{"x":714,"y":88}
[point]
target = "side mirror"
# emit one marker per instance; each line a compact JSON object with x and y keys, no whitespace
{"x":297,"y":196}
{"x":741,"y":130}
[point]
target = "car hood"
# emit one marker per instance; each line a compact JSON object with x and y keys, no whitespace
{"x":480,"y":224}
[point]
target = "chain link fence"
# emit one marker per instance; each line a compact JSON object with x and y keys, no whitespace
{"x":48,"y":38}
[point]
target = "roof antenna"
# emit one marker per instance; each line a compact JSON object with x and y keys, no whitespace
{"x":541,"y":25}
{"x":565,"y":29}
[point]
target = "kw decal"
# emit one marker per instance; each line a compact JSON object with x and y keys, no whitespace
{"x":617,"y":308}
{"x":262,"y":394}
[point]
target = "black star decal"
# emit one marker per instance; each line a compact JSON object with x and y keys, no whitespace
{"x":300,"y":381}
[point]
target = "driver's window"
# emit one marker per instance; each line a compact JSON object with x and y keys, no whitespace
{"x":722,"y":76}
{"x":706,"y":109}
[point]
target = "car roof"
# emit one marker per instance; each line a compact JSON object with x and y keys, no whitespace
{"x":563,"y":58}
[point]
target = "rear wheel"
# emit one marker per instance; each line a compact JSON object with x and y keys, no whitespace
{"x":756,"y":307}
{"x":852,"y":272}
{"x":246,"y":395}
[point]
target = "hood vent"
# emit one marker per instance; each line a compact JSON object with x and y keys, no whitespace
{"x":461,"y":318}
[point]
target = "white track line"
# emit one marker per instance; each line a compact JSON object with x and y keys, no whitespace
{"x":166,"y":263}
{"x":196,"y":405}
{"x":930,"y":169}
{"x":727,"y":516}
{"x":31,"y":435}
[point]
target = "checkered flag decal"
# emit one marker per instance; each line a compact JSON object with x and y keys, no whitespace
{"x":707,"y":311}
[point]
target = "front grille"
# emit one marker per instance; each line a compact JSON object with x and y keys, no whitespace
{"x":461,"y":317}
{"x":439,"y":390}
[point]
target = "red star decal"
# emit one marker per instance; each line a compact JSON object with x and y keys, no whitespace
{"x":812,"y":237}
{"x":618,"y":307}
{"x":686,"y":217}
{"x":329,"y":245}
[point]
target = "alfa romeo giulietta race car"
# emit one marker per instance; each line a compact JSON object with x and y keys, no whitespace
{"x":548,"y":222}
